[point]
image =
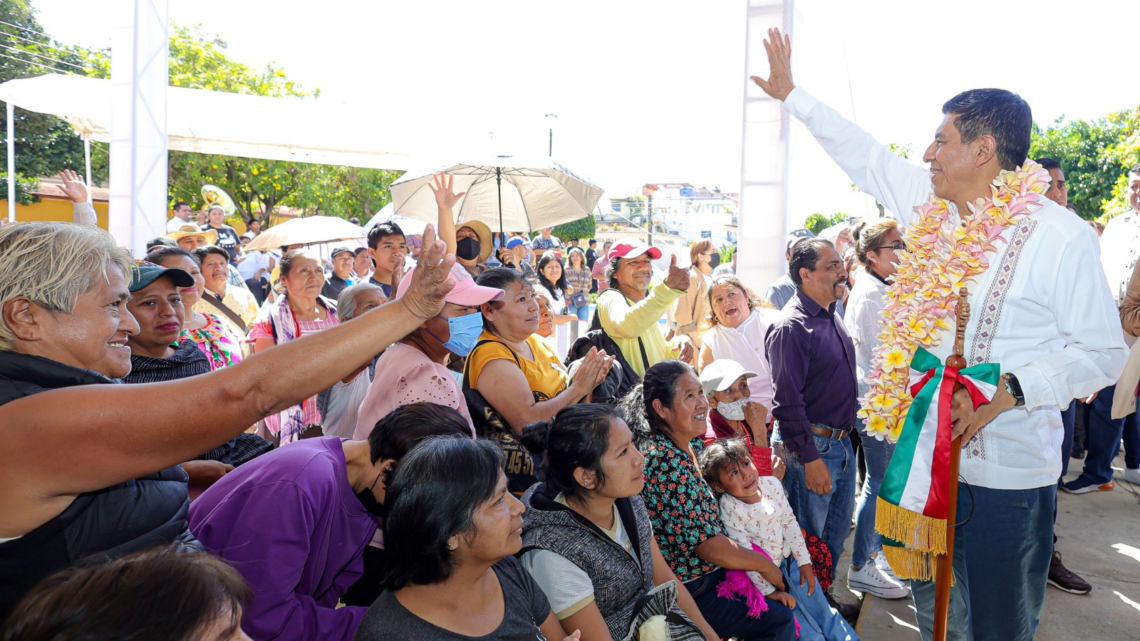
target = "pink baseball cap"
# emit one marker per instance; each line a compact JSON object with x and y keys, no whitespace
{"x":632,"y":248}
{"x":465,"y":292}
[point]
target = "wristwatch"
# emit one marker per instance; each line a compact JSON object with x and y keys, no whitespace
{"x":1013,"y":388}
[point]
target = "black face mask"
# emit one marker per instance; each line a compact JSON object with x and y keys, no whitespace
{"x":368,"y":499}
{"x":467,"y":248}
{"x":715,"y":260}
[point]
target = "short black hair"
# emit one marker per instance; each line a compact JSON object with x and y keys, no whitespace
{"x":407,"y":426}
{"x":805,"y":255}
{"x":205,"y":250}
{"x":593,"y":241}
{"x":433,"y":497}
{"x":354,"y":220}
{"x":181,"y":203}
{"x":158,"y":256}
{"x":382,"y":231}
{"x":160,"y":241}
{"x":169,"y":592}
{"x":359,"y":250}
{"x":1049,"y":163}
{"x":578,"y":437}
{"x":998,"y":113}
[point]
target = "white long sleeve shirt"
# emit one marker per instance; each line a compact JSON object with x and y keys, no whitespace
{"x":1042,"y":311}
{"x":862,"y":322}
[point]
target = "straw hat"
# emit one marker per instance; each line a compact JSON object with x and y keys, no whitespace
{"x":483,"y":232}
{"x":190,"y":229}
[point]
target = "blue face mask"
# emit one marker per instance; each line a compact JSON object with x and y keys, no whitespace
{"x":464,"y":332}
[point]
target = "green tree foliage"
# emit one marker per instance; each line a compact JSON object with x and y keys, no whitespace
{"x":1095,"y":155}
{"x":816,"y":223}
{"x":582,"y":229}
{"x":44,"y":144}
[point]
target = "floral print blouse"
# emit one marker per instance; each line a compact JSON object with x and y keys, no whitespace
{"x":681,"y":505}
{"x":220,"y":345}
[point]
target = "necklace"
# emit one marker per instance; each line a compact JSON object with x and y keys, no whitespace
{"x":922,"y":302}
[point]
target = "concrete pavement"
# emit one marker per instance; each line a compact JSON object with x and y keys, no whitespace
{"x":1099,"y":539}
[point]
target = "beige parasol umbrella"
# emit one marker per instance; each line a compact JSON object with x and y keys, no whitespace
{"x":504,"y":193}
{"x":306,"y":231}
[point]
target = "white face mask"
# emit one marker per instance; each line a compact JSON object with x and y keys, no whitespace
{"x":733,"y":411}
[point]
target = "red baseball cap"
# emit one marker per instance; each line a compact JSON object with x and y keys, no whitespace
{"x":632,"y":248}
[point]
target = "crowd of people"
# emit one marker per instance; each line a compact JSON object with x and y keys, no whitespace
{"x":207,"y":442}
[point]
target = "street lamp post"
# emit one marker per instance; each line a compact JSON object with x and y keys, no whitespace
{"x":550,"y":118}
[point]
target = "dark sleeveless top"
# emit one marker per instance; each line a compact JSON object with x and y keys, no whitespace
{"x":114,"y":521}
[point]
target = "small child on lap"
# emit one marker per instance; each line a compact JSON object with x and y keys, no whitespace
{"x":756,"y":514}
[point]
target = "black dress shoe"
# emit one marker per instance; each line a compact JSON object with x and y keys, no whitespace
{"x":846,"y":610}
{"x":1078,"y":454}
{"x":1062,"y":578}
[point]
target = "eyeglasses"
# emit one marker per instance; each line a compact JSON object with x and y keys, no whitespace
{"x":896,"y":247}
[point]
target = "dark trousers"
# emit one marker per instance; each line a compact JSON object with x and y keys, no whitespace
{"x":1103,"y":441}
{"x":729,"y":617}
{"x":1001,"y":562}
{"x":259,"y":287}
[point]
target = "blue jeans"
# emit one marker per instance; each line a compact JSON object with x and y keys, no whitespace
{"x":729,"y":617}
{"x":1102,"y":441}
{"x":877,"y":455}
{"x":583,"y":313}
{"x":827,"y":516}
{"x":818,"y":622}
{"x":1001,"y":562}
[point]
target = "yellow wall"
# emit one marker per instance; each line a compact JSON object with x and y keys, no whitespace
{"x":51,"y":210}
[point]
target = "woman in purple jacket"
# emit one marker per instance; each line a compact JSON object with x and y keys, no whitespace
{"x":295,"y":522}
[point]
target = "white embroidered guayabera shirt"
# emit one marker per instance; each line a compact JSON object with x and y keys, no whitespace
{"x":1042,"y":310}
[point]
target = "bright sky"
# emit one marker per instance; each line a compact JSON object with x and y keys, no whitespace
{"x":651,"y":91}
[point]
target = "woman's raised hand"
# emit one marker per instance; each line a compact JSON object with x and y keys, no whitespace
{"x":430,"y":283}
{"x":441,"y":186}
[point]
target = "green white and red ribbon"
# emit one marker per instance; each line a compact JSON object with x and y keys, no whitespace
{"x":913,"y":502}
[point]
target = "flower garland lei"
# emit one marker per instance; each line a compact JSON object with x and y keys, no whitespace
{"x":922,"y":303}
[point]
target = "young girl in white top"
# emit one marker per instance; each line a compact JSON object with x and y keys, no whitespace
{"x":757,"y":515}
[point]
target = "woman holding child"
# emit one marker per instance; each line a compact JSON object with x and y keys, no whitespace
{"x":667,"y":413}
{"x":757,"y":515}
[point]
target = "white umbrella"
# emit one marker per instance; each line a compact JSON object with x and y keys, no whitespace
{"x":387,"y":213}
{"x":504,"y":192}
{"x":306,"y":231}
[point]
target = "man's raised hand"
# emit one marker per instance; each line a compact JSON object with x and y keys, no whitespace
{"x":677,"y":278}
{"x":779,"y":83}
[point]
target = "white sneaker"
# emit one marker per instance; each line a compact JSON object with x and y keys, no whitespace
{"x":871,"y":580}
{"x":1132,"y":475}
{"x":880,"y":560}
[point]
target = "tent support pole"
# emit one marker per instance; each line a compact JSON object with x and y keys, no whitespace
{"x":499,"y":185}
{"x":87,"y":162}
{"x":11,"y":163}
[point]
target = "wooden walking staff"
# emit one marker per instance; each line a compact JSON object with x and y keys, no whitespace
{"x":945,"y":568}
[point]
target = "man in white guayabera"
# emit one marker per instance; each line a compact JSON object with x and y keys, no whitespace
{"x":1042,"y":310}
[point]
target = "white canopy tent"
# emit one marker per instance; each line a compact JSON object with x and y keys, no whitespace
{"x":214,"y":122}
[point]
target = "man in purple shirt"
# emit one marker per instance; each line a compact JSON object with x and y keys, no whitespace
{"x":813,"y":377}
{"x":296,"y":522}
